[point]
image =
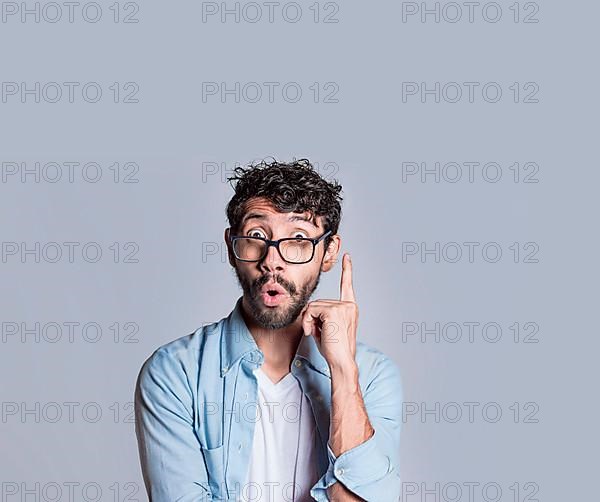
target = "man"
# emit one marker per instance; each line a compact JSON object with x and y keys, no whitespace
{"x":278,"y":401}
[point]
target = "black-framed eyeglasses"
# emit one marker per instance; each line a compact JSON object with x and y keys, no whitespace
{"x":294,"y":250}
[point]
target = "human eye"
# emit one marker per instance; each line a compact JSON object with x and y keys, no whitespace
{"x":255,"y":232}
{"x":299,"y":234}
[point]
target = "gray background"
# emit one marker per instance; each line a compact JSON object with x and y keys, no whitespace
{"x":175,"y":216}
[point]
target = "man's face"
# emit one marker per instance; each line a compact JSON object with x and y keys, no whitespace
{"x":296,"y":282}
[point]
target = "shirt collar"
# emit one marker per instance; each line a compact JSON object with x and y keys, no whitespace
{"x":237,"y":341}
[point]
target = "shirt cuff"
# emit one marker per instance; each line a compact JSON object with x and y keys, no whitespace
{"x":362,"y":465}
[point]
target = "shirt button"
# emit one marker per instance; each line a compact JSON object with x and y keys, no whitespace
{"x":298,"y":363}
{"x":225,"y":369}
{"x":339,"y":472}
{"x":240,"y":446}
{"x":245,"y":396}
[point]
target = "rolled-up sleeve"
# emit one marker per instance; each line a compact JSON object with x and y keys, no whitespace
{"x":371,"y":469}
{"x":171,"y":458}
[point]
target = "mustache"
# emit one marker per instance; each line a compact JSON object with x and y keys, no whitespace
{"x":288,"y":286}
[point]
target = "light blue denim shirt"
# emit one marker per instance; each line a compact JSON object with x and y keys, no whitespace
{"x":195,"y":419}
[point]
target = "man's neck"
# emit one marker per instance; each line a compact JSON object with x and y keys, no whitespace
{"x":278,"y":345}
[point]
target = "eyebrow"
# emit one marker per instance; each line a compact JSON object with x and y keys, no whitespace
{"x":261,"y":216}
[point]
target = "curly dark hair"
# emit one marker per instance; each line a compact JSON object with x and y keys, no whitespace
{"x":290,"y":187}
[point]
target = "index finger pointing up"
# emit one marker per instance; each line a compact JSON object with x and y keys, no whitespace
{"x":346,"y":289}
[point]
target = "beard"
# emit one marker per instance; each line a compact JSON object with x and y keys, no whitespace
{"x":282,"y":316}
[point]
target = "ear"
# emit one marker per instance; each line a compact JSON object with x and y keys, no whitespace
{"x":229,"y":250}
{"x":331,"y":253}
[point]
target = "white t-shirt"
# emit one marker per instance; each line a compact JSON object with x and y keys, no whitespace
{"x":270,"y":476}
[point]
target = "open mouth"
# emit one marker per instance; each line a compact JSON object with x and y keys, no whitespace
{"x":272,"y":294}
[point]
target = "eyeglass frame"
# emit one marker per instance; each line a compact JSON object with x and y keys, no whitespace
{"x":315,"y":241}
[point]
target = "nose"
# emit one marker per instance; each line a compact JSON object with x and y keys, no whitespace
{"x":272,"y":261}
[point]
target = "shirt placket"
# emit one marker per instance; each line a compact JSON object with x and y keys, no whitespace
{"x":240,"y":419}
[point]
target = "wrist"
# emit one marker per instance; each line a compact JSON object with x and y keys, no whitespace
{"x":345,"y":374}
